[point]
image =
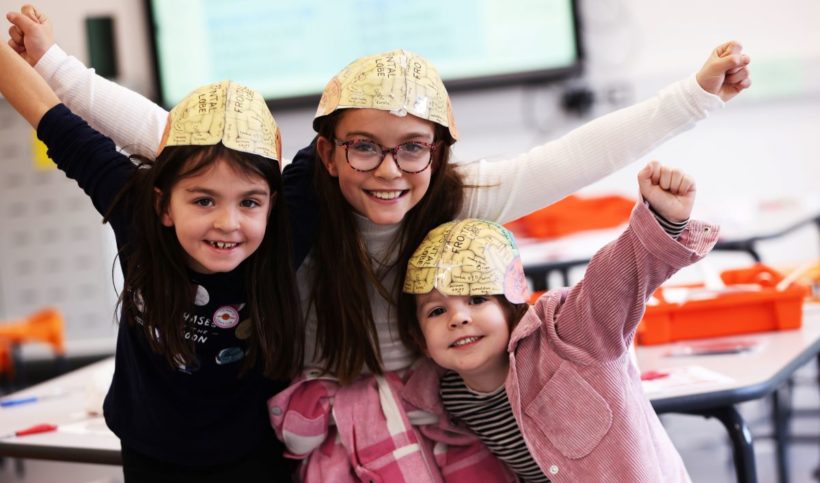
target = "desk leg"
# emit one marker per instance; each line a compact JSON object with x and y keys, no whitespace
{"x":565,"y":276}
{"x":781,"y":417}
{"x":742,"y":445}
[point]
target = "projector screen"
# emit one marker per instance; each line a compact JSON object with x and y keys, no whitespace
{"x":289,"y":50}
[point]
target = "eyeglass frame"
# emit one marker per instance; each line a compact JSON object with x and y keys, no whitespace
{"x":393,"y":151}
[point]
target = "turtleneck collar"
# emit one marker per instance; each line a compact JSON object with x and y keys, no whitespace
{"x":379,"y":238}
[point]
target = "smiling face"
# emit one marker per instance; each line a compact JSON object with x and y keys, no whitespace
{"x":467,"y":334}
{"x":386,"y":194}
{"x":219,"y":216}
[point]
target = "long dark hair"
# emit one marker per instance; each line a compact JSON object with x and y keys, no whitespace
{"x":157,"y":290}
{"x":346,"y":337}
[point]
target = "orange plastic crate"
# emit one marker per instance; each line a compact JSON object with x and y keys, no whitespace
{"x":731,"y":312}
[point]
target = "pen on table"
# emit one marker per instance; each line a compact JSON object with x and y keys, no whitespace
{"x":19,"y":401}
{"x":7,"y":403}
{"x":39,"y":428}
{"x":652,"y":375}
{"x":711,"y":349}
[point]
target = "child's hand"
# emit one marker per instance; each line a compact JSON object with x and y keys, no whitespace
{"x":726,"y":71}
{"x":669,"y":191}
{"x":31,"y":33}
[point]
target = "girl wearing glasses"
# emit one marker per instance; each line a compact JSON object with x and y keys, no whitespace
{"x":362,"y":196}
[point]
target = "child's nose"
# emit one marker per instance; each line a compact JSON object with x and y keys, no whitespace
{"x":228,"y":220}
{"x":459,"y":319}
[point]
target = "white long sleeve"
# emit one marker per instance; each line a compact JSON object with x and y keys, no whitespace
{"x":515,"y":187}
{"x":510,"y":188}
{"x":135,"y":123}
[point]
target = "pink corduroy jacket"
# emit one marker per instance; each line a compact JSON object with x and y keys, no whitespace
{"x":574,"y":391}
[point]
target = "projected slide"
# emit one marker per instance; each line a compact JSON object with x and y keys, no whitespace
{"x":289,"y":49}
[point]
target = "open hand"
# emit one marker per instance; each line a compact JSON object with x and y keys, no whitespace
{"x":31,"y":34}
{"x":726,"y":71}
{"x":669,"y":191}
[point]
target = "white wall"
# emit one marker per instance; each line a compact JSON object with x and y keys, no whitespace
{"x":764,"y":145}
{"x":635,"y":46}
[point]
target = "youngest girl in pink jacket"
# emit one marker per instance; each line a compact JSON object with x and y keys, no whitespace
{"x":550,"y":389}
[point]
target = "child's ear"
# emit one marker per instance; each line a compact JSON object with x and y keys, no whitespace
{"x":163,"y":215}
{"x":324,"y":148}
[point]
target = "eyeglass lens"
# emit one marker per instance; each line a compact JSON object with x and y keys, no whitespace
{"x":366,"y":155}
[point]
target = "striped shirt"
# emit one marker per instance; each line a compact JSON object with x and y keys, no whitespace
{"x":673,"y":228}
{"x":491,"y":418}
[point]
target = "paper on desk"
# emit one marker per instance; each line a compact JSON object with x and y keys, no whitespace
{"x":684,"y":377}
{"x":96,"y":389}
{"x":86,"y":426}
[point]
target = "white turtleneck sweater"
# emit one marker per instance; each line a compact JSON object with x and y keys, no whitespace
{"x":512,"y":187}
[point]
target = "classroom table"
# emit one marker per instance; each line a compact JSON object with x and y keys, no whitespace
{"x":541,"y":258}
{"x":752,"y":374}
{"x":73,"y":403}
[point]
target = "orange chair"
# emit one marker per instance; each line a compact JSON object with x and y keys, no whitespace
{"x":46,"y":326}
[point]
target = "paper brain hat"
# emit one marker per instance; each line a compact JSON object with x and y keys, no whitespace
{"x":468,"y":257}
{"x":397,"y":81}
{"x":224,"y":112}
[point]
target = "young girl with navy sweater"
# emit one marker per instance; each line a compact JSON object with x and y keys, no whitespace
{"x":209,"y":317}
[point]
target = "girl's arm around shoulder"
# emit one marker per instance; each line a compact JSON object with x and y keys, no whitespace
{"x":303,"y":207}
{"x":597,"y":318}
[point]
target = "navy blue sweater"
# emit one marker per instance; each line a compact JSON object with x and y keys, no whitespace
{"x":203,"y":414}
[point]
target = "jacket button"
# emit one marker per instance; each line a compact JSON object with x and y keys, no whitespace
{"x":276,"y":410}
{"x":553,"y":470}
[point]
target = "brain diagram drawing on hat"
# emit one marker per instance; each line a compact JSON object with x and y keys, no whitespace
{"x":225,"y":112}
{"x":468,"y":257}
{"x":397,"y":81}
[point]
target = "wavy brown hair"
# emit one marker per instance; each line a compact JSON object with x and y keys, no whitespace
{"x":157,"y":290}
{"x":346,"y":337}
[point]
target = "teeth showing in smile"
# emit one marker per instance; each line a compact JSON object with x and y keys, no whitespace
{"x":222,"y":245}
{"x":386,"y":195}
{"x":464,"y":341}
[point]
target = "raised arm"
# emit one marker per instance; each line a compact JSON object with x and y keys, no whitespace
{"x":132,"y":121}
{"x":23,"y":88}
{"x":518,"y":186}
{"x":82,"y":153}
{"x":598,"y":318}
